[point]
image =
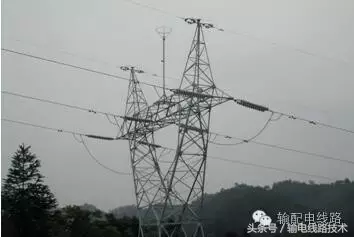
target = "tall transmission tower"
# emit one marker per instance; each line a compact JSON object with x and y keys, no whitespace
{"x":170,"y":194}
{"x":148,"y":181}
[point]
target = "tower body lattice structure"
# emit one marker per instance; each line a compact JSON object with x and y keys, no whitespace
{"x":148,"y":181}
{"x":172,"y":200}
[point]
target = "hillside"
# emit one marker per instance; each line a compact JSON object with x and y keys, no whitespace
{"x":230,"y":211}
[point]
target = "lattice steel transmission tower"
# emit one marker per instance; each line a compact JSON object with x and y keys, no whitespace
{"x":148,"y":180}
{"x":170,"y":194}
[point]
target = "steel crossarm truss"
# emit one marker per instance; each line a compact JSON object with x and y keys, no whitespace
{"x":164,"y":113}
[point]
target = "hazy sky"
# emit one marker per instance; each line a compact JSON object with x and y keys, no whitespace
{"x":261,"y":61}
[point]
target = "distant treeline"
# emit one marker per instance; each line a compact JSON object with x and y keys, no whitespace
{"x":30,"y":209}
{"x":229,"y":212}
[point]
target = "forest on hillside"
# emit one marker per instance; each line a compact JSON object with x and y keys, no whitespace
{"x":230,"y":210}
{"x":30,"y":209}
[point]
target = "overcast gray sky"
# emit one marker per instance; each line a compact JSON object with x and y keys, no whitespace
{"x":261,"y":62}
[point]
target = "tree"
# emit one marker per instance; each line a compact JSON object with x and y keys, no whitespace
{"x":27,"y":202}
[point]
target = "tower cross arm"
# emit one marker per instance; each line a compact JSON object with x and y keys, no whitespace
{"x":172,"y":109}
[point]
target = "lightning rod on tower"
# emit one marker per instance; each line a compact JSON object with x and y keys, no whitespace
{"x":163,"y":31}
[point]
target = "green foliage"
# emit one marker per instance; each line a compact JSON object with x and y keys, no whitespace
{"x":230,"y":210}
{"x":26,"y":201}
{"x":77,"y":221}
{"x":29,"y":208}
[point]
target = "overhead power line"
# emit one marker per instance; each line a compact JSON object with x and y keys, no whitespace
{"x":273,"y":146}
{"x":154,"y":86}
{"x":225,"y":136}
{"x":244,"y":140}
{"x":42,"y":127}
{"x":244,"y":34}
{"x":150,"y":7}
{"x":241,"y":102}
{"x":83,"y":57}
{"x":83,"y":68}
{"x":81,"y":140}
{"x":62,"y":51}
{"x":262,"y":108}
{"x":61,"y":130}
{"x":271,"y":168}
{"x":303,"y":152}
{"x":285,"y":46}
{"x":86,"y":58}
{"x":94,"y":111}
{"x":75,"y":66}
{"x":314,"y":122}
